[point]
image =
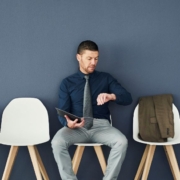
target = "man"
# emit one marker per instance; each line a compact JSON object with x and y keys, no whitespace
{"x":104,"y":88}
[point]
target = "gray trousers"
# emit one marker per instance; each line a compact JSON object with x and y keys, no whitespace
{"x":101,"y":132}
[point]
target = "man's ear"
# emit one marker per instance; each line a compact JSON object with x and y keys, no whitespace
{"x":78,"y":57}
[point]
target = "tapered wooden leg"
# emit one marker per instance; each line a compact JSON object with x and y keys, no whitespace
{"x":34,"y":160}
{"x":10,"y":161}
{"x":141,"y":165}
{"x":101,"y":158}
{"x":77,"y":158}
{"x":41,"y":165}
{"x":172,"y":161}
{"x":75,"y":155}
{"x":148,"y":162}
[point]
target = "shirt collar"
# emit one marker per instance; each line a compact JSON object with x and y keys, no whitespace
{"x":82,"y":74}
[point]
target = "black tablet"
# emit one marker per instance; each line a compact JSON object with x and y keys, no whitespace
{"x":71,"y":116}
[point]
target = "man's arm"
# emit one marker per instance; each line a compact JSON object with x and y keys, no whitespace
{"x":116,"y":93}
{"x":65,"y":104}
{"x":123,"y":97}
{"x":64,"y":101}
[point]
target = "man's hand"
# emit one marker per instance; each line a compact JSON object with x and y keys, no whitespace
{"x":74,"y":124}
{"x":105,"y":97}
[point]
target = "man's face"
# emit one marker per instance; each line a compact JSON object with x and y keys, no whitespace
{"x":87,"y":61}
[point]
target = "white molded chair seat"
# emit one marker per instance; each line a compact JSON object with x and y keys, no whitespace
{"x":79,"y":152}
{"x":147,"y":157}
{"x":25,"y":122}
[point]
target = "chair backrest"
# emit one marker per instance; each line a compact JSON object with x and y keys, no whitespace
{"x":24,"y":122}
{"x":174,"y":140}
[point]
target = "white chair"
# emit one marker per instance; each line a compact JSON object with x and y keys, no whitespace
{"x":25,"y":123}
{"x":79,"y":152}
{"x":144,"y":166}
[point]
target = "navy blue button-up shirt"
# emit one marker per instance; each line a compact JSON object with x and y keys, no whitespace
{"x":72,"y":90}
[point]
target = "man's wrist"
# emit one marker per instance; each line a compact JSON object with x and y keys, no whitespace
{"x":67,"y":125}
{"x":113,"y":97}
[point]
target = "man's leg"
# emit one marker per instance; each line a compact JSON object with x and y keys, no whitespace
{"x":103,"y":132}
{"x":64,"y":138}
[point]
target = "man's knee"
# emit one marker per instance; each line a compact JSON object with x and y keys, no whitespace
{"x":122,"y":143}
{"x":58,"y":144}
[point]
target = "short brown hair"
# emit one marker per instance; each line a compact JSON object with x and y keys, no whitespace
{"x":87,"y":45}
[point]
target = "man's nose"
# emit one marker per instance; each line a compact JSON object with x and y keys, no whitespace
{"x":93,"y":61}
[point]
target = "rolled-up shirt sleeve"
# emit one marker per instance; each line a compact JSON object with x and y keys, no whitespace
{"x":64,"y":101}
{"x":123,"y":97}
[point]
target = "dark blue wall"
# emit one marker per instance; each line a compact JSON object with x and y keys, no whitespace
{"x":139,"y":45}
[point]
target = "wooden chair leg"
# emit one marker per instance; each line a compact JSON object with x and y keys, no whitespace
{"x":75,"y":155}
{"x":148,"y":162}
{"x":10,"y":161}
{"x":34,"y":160}
{"x":141,"y":165}
{"x":101,"y":158}
{"x":77,"y":158}
{"x":172,"y":161}
{"x":41,"y":165}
